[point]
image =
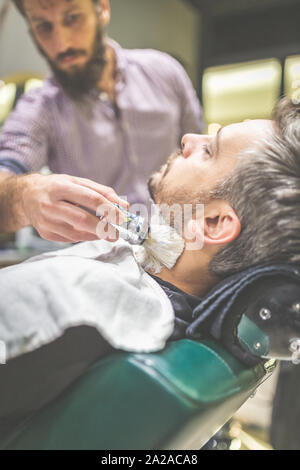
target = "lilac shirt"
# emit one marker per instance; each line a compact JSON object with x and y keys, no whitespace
{"x":156,"y":105}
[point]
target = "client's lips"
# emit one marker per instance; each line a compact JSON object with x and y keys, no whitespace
{"x":163,"y":168}
{"x":166,"y":168}
{"x":159,"y":175}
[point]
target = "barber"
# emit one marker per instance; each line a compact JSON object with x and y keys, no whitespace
{"x":107,"y":118}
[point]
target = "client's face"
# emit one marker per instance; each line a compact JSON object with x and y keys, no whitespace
{"x":189,"y":175}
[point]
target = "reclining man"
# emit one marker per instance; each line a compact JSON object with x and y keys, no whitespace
{"x":65,"y":310}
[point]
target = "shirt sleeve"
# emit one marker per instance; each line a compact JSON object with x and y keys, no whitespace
{"x":24,"y":140}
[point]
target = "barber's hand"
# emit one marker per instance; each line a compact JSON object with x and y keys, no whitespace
{"x":54,"y":204}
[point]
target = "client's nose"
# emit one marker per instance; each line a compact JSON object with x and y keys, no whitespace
{"x":189,"y":144}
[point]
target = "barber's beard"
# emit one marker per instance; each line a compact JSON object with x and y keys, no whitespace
{"x":78,"y":81}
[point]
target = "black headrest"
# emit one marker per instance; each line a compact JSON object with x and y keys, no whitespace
{"x":270,"y":298}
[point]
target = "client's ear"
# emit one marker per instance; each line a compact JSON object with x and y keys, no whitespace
{"x":221,"y":223}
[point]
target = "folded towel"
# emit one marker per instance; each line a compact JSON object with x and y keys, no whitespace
{"x":98,"y":284}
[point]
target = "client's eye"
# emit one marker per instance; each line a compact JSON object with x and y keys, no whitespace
{"x":206,"y":149}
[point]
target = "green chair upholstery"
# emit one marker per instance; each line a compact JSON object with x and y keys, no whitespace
{"x":174,"y":399}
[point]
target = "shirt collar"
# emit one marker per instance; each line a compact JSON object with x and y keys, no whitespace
{"x":121,"y":65}
{"x":121,"y":60}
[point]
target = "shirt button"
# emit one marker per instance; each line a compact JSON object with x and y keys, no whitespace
{"x":125,"y":126}
{"x":134,"y":158}
{"x":103,"y":96}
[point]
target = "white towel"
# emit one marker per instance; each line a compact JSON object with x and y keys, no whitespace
{"x":93,"y":283}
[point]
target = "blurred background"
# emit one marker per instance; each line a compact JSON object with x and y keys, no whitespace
{"x":241,"y":56}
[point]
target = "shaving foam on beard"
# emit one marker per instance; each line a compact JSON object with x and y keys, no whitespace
{"x":155,"y":246}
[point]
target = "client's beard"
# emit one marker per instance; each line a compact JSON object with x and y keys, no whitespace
{"x":156,"y":180}
{"x":79,"y":81}
{"x":165,"y":195}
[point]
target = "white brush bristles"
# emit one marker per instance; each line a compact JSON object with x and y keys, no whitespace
{"x":161,"y":249}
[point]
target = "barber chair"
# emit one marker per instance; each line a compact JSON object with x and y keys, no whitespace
{"x":177,"y":398}
{"x":174,"y":399}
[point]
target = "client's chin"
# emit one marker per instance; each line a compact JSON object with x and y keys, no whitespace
{"x":155,"y":180}
{"x":153,"y":184}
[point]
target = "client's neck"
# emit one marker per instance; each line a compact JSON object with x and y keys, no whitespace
{"x":190,"y":274}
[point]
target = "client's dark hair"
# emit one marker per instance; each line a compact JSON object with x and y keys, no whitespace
{"x":264,"y":190}
{"x":20,"y":6}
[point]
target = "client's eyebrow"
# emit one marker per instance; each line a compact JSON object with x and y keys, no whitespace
{"x":217,"y":140}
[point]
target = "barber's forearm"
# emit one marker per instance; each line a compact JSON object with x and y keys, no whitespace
{"x":12,"y":216}
{"x":53,"y":205}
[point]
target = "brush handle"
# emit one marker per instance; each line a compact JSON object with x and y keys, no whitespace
{"x":135,"y":229}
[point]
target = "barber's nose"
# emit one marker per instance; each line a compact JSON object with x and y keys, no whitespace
{"x":189,"y":144}
{"x":62,"y":39}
